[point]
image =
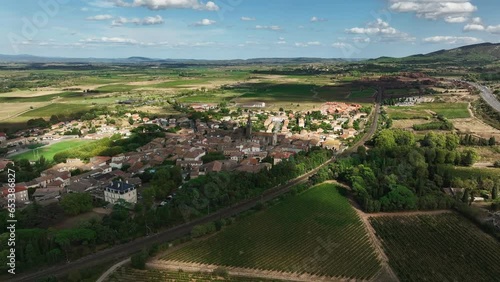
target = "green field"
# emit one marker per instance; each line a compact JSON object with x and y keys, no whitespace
{"x":365,"y":93}
{"x":279,"y":92}
{"x":316,"y":232}
{"x":130,"y":274}
{"x":49,"y":151}
{"x":56,"y":108}
{"x":448,"y":110}
{"x":473,"y":173}
{"x":443,"y":247}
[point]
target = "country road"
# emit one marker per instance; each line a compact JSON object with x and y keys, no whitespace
{"x":123,"y":251}
{"x":487,"y":96}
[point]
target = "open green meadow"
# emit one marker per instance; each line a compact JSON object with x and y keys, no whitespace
{"x":425,"y":110}
{"x":444,"y":247}
{"x":49,"y":151}
{"x":126,"y":273}
{"x":316,"y":232}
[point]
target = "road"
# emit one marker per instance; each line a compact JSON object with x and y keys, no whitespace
{"x":373,"y":127}
{"x":487,"y":96}
{"x":123,"y":251}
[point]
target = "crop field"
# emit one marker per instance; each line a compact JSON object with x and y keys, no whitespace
{"x":363,"y":93}
{"x":316,"y":232}
{"x":49,"y":151}
{"x":425,"y":110}
{"x":444,"y":247}
{"x":278,"y":92}
{"x":473,"y":173}
{"x":55,"y":108}
{"x":125,"y":273}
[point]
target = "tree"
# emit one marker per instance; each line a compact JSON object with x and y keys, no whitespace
{"x":400,"y":198}
{"x":138,"y":260}
{"x":494,"y":191}
{"x":76,"y":203}
{"x":130,"y":120}
{"x":492,"y":141}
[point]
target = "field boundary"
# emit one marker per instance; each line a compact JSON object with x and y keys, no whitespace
{"x":170,"y":265}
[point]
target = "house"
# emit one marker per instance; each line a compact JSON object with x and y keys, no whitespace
{"x":20,"y":193}
{"x":4,"y":163}
{"x":194,"y":155}
{"x":120,"y":190}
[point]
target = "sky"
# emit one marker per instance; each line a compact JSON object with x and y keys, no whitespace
{"x":242,"y":29}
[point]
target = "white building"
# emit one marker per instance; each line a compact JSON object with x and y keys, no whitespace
{"x":19,"y":192}
{"x":120,"y":190}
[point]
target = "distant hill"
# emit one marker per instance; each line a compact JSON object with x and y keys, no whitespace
{"x":484,"y":53}
{"x":144,"y":60}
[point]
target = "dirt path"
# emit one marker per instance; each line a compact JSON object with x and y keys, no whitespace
{"x":236,"y":271}
{"x":409,"y":213}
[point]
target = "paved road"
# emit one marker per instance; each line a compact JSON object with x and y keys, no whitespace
{"x":373,"y":127}
{"x":487,"y":96}
{"x":123,"y":251}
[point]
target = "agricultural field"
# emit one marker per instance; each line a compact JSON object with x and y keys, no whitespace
{"x":288,"y":237}
{"x":444,"y":247}
{"x":49,"y":151}
{"x":473,"y":172}
{"x":426,"y":110}
{"x":126,"y":273}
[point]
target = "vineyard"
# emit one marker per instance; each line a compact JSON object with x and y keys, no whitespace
{"x":125,"y":273}
{"x":316,"y":232}
{"x":443,"y":247}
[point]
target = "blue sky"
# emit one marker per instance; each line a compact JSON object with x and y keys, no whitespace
{"x":240,"y":29}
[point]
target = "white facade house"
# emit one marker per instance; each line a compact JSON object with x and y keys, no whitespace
{"x":120,"y":190}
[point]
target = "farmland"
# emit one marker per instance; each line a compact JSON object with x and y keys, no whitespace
{"x":288,"y":236}
{"x":426,"y":110}
{"x":49,"y":151}
{"x":129,"y":274}
{"x":443,"y":247}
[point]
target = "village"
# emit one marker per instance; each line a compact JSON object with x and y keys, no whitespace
{"x":249,"y":142}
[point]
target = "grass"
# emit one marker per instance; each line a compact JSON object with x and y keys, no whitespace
{"x":55,"y":108}
{"x":365,"y":93}
{"x":443,"y":247}
{"x":290,"y":236}
{"x":127,"y":273}
{"x":472,"y":172}
{"x":287,"y":92}
{"x":49,"y":151}
{"x":448,"y":110}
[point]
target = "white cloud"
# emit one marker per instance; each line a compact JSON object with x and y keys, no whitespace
{"x":452,"y":40}
{"x":476,"y":20}
{"x":168,"y":4}
{"x":307,"y":44}
{"x":476,"y":24}
{"x":434,"y":9}
{"x":474,"y":27}
{"x":495,"y":29}
{"x":246,"y":19}
{"x":153,"y":20}
{"x":341,"y":45}
{"x":100,"y":18}
{"x":205,"y":22}
{"x":459,"y":19}
{"x":316,"y":19}
{"x":145,"y":21}
{"x":268,"y":27}
{"x":382,"y":30}
{"x":114,"y":40}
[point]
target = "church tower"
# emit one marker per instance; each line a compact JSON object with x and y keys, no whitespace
{"x":248,"y":130}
